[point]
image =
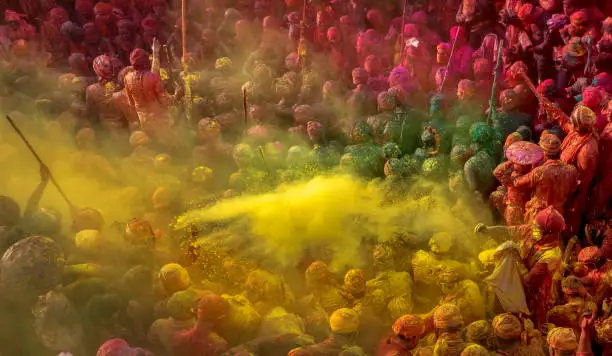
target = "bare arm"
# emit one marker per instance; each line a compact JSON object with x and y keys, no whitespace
{"x":34,"y":200}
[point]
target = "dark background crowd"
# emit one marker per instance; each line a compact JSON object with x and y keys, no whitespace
{"x":446,"y":113}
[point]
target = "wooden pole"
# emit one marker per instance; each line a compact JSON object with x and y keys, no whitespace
{"x":450,"y":58}
{"x":40,"y":161}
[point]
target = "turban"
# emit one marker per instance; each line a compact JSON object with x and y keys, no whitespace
{"x":138,"y":138}
{"x":355,"y":281}
{"x":174,"y":277}
{"x":583,"y":118}
{"x":212,"y":307}
{"x":314,"y":128}
{"x":579,"y":18}
{"x":139,"y":232}
{"x":441,"y":242}
{"x":408,"y":326}
{"x":223,"y":64}
{"x":467,"y":85}
{"x":450,"y":271}
{"x":443,"y":47}
{"x":87,"y":239}
{"x":479,"y":330}
{"x":548,"y":88}
{"x":550,"y":143}
{"x":507,"y":326}
{"x":318,"y":272}
{"x":114,"y":347}
{"x":481,"y":132}
{"x":103,"y":67}
{"x":447,"y":316}
{"x":162,"y":198}
{"x":512,"y":138}
{"x":88,"y":218}
{"x":515,"y":70}
{"x":550,"y":220}
{"x":592,"y":98}
{"x":344,"y":321}
{"x":103,"y":8}
{"x":562,"y":339}
{"x":201,"y":174}
{"x":139,"y":59}
{"x":475,"y":350}
{"x":589,"y":254}
{"x":181,"y":304}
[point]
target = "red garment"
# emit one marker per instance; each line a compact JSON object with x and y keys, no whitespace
{"x":392,"y":346}
{"x":551,"y":183}
{"x":582,"y":151}
{"x":461,"y":63}
{"x":145,"y":92}
{"x":198,"y":341}
{"x":542,"y":260}
{"x":515,"y":198}
{"x":601,"y":194}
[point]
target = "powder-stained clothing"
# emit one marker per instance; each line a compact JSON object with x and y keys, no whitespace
{"x":551,"y":182}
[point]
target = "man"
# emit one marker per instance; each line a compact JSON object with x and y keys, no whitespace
{"x":180,"y":319}
{"x":601,"y":194}
{"x":448,"y":323}
{"x":552,"y":182}
{"x":344,"y":324}
{"x":407,"y":331}
{"x":202,"y":340}
{"x":145,"y":92}
{"x":508,"y":332}
{"x":510,"y":118}
{"x":562,"y":341}
{"x":541,"y":256}
{"x":99,"y":98}
{"x":580,"y":148}
{"x":460,"y":291}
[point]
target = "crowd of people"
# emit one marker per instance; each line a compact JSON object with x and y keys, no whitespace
{"x":494,"y":115}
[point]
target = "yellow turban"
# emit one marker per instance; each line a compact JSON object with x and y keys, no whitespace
{"x":174,"y":277}
{"x":344,"y":321}
{"x":562,"y":339}
{"x":507,"y":326}
{"x":87,"y":239}
{"x":441,"y":242}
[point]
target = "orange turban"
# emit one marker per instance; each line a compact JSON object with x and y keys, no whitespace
{"x":507,"y":326}
{"x":408,"y":326}
{"x":562,"y":339}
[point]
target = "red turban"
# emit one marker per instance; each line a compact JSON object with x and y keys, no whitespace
{"x":114,"y":347}
{"x":212,"y":307}
{"x":103,"y":8}
{"x":525,"y":11}
{"x":550,"y":220}
{"x":548,"y":88}
{"x":103,"y":67}
{"x":592,"y":98}
{"x":409,"y":326}
{"x":589,"y":254}
{"x":139,"y":59}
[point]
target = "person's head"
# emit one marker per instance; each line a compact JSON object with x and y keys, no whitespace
{"x":548,"y":224}
{"x":375,"y":18}
{"x":571,"y":6}
{"x":126,"y":29}
{"x":449,"y":274}
{"x":409,"y":329}
{"x":551,"y":6}
{"x":139,"y":232}
{"x":583,"y":119}
{"x":551,"y":145}
{"x":212,"y":308}
{"x":139,"y":59}
{"x":87,"y":219}
{"x":592,"y":98}
{"x":458,"y":32}
{"x":528,"y":13}
{"x":318,"y":274}
{"x":562,"y":342}
{"x":475,"y":350}
{"x":373,"y":65}
{"x":86,"y":139}
{"x":360,"y":76}
{"x":103,"y":67}
{"x":10,"y":213}
{"x":590,"y":257}
{"x":344,"y":322}
{"x":478,"y":332}
{"x":103,"y":12}
{"x":174,"y":278}
{"x":58,"y":16}
{"x":608,"y":111}
{"x":447,"y":317}
{"x":443,"y":53}
{"x":507,"y":328}
{"x":355,"y":282}
{"x":466,"y":90}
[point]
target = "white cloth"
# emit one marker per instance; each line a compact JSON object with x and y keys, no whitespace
{"x":506,"y":281}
